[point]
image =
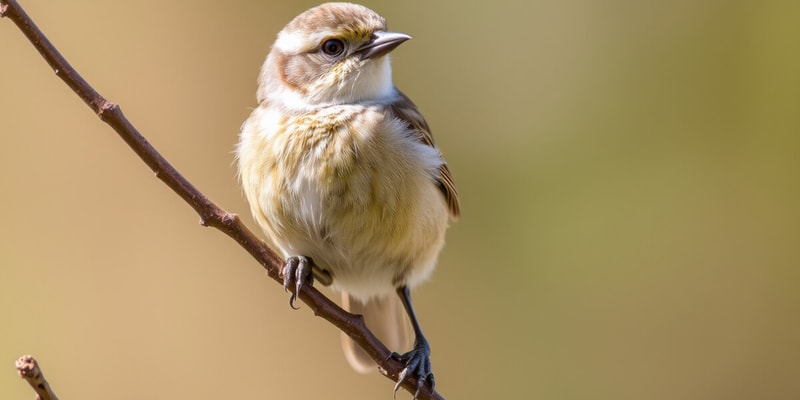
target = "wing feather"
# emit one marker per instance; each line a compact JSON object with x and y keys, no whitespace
{"x":405,"y":110}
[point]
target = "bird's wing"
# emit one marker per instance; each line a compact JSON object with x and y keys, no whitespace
{"x":405,"y":110}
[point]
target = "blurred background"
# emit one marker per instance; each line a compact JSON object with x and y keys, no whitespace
{"x":629,"y":172}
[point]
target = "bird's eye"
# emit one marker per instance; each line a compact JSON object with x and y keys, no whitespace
{"x":333,"y":47}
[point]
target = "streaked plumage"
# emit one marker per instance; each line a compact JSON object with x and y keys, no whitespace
{"x":340,"y":167}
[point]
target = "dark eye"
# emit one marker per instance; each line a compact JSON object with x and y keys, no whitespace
{"x":333,"y":47}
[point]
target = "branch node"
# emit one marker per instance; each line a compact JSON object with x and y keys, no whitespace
{"x":104,"y":106}
{"x":230,"y":219}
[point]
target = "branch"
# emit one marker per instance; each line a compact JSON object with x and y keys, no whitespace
{"x":28,"y":369}
{"x":210,"y":214}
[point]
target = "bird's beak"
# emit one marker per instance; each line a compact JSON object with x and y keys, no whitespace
{"x":381,"y":44}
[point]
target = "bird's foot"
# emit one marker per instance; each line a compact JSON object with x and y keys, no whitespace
{"x":418,"y":363}
{"x":299,"y":270}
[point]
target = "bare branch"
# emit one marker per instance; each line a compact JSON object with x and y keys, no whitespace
{"x":210,"y":214}
{"x":28,"y":369}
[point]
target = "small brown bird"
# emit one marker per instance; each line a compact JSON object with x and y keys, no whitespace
{"x":342,"y":173}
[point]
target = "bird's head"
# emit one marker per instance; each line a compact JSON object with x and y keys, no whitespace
{"x":335,"y":53}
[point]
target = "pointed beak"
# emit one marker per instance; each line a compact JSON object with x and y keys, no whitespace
{"x":381,"y":44}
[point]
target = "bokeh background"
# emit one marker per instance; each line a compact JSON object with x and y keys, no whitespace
{"x":629,"y":171}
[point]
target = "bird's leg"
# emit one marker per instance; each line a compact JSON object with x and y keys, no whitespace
{"x":299,"y":269}
{"x":418,"y":360}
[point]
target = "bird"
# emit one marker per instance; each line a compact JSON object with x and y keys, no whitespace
{"x":342,"y":174}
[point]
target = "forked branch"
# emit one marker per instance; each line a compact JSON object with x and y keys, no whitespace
{"x":210,"y":214}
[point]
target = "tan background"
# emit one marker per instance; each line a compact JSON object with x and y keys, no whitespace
{"x":629,"y":175}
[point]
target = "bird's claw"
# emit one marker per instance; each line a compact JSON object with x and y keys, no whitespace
{"x":418,"y":363}
{"x":299,"y":270}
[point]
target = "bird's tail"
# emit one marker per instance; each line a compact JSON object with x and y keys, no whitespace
{"x":386,"y":318}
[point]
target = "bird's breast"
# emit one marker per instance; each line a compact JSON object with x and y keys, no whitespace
{"x":346,"y":186}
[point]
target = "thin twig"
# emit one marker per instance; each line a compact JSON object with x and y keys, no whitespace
{"x":210,"y":214}
{"x":28,"y":369}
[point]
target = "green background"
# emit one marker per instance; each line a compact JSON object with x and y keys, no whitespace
{"x":629,"y":174}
